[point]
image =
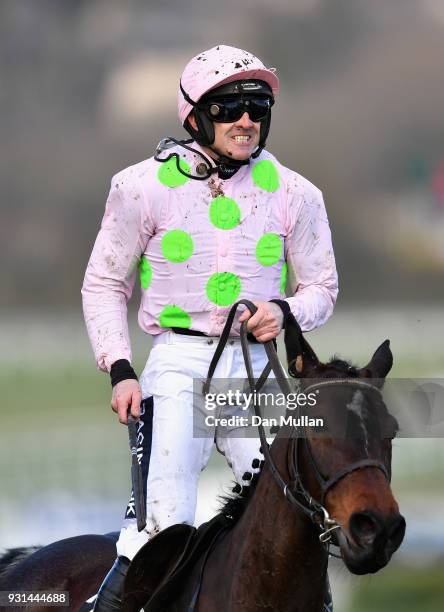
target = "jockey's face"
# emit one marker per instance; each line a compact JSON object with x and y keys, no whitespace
{"x":237,"y":140}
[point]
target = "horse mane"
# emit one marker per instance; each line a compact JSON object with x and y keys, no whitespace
{"x":234,"y":505}
{"x":13,"y":556}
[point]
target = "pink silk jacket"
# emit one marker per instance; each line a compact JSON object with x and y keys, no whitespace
{"x":199,"y":246}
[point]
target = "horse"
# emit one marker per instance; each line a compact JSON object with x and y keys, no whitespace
{"x":312,"y":490}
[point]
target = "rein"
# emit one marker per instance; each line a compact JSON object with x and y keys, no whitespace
{"x":295,"y":489}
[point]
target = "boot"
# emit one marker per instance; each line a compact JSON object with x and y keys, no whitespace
{"x":109,"y":597}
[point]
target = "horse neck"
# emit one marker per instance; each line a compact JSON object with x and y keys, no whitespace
{"x":276,"y":547}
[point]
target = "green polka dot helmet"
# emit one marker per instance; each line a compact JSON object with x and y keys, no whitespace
{"x":210,"y":71}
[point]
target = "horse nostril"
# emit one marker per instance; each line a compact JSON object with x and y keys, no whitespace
{"x":396,"y":530}
{"x":363,"y":527}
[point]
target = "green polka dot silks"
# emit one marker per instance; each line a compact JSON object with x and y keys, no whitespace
{"x":283,"y":283}
{"x":223,"y":288}
{"x":269,"y":249}
{"x":224,"y":213}
{"x":177,"y":246}
{"x":173,"y":316}
{"x":145,"y":272}
{"x":265,"y":175}
{"x":205,"y":245}
{"x":169,"y":175}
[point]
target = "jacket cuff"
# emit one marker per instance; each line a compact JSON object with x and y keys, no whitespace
{"x":121,"y":370}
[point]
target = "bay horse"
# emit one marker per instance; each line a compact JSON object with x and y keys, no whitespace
{"x":311,"y":489}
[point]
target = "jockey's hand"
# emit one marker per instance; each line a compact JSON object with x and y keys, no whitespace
{"x":126,"y":393}
{"x":267,"y":323}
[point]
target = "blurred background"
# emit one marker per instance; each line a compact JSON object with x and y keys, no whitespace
{"x":88,"y":87}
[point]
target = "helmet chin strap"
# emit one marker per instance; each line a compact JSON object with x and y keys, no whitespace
{"x":225,"y":166}
{"x":228,"y":165}
{"x":226,"y":160}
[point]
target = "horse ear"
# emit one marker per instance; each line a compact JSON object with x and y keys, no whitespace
{"x":301,"y":358}
{"x":380,"y":364}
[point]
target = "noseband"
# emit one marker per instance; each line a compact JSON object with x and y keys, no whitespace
{"x":294,"y":491}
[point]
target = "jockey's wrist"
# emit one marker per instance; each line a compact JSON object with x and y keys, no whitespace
{"x":285,"y":307}
{"x":121,"y":370}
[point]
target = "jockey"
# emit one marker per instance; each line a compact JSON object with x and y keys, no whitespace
{"x":203,"y":223}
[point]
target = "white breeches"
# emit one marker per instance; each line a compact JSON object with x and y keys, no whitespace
{"x":171,"y":456}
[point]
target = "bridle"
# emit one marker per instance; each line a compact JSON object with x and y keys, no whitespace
{"x":294,"y":491}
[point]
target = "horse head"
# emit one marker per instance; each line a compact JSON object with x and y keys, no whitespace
{"x":346,"y":464}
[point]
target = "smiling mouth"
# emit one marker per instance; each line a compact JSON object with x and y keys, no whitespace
{"x":241,"y":139}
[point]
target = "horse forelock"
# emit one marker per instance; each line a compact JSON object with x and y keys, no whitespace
{"x":339,"y":367}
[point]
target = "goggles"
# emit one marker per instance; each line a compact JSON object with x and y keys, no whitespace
{"x":229,"y":110}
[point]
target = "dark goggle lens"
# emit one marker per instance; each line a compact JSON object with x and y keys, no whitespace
{"x":230,"y":110}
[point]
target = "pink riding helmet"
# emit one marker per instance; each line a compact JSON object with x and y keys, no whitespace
{"x":217,"y":66}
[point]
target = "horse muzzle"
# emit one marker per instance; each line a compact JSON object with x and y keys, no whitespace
{"x":370,"y":541}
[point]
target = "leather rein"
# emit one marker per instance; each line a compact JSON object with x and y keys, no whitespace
{"x":294,"y":491}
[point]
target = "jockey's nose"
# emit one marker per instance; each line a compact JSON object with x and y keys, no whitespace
{"x":244,"y":121}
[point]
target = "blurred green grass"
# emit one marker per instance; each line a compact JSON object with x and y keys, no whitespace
{"x":70,"y":393}
{"x":401,"y":589}
{"x":58,"y":432}
{"x":59,"y":395}
{"x":61,"y":419}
